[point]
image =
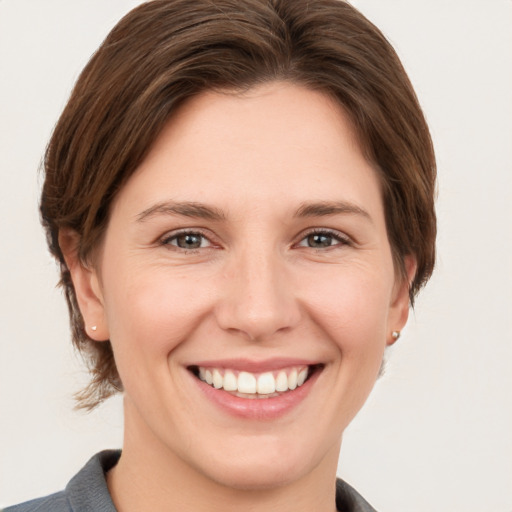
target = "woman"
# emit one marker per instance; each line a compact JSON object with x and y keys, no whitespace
{"x":240,"y":196}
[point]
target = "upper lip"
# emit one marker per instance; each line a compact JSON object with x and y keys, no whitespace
{"x":253,"y":366}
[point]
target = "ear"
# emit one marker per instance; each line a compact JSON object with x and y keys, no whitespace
{"x":399,"y":307}
{"x":87,"y":286}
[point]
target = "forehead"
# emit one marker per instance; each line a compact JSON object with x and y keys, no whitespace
{"x":275,"y":144}
{"x":271,"y":118}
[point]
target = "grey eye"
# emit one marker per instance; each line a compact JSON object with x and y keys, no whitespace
{"x":323,"y":240}
{"x":189,"y":241}
{"x":319,"y":240}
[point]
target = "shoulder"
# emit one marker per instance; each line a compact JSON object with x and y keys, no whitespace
{"x":86,"y":491}
{"x":54,"y":503}
{"x":349,"y":500}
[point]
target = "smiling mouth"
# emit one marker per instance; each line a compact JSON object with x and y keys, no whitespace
{"x":250,"y":385}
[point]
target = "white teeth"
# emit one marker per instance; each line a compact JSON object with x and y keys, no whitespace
{"x":230,"y":381}
{"x":302,"y":377}
{"x":292,"y":379}
{"x":282,"y":382}
{"x":266,"y":384}
{"x":217,"y":379}
{"x":246,"y":382}
{"x":263,"y":385}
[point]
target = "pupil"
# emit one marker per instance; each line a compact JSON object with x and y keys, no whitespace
{"x":189,"y":241}
{"x":318,"y":240}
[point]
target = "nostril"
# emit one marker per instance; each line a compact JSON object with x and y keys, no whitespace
{"x":258,"y":308}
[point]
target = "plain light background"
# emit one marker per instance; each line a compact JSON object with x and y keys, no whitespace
{"x":436,"y":435}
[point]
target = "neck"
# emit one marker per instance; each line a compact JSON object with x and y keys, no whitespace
{"x":150,"y":476}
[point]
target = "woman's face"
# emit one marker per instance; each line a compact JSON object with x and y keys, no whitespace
{"x":248,"y":248}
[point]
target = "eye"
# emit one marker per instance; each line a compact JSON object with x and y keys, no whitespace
{"x":323,"y":239}
{"x":188,"y":240}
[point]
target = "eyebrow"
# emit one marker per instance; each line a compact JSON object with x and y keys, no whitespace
{"x":185,"y":209}
{"x":326,"y":208}
{"x":201,"y":211}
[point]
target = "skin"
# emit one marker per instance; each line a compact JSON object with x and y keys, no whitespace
{"x":257,"y":288}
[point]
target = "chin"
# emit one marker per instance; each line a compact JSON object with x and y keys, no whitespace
{"x":266,"y":467}
{"x":250,"y":477}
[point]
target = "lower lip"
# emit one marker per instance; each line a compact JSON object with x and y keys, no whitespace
{"x":257,"y":408}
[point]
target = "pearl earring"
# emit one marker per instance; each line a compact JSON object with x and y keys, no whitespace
{"x":395,"y":335}
{"x":94,"y":328}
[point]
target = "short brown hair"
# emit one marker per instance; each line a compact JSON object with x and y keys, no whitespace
{"x":166,"y":51}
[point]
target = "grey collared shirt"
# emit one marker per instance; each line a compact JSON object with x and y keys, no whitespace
{"x":87,"y":492}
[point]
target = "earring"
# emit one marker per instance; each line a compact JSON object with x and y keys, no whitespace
{"x":395,"y":335}
{"x":94,"y":328}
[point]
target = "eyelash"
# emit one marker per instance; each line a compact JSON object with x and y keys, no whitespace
{"x":335,"y":235}
{"x":166,"y":241}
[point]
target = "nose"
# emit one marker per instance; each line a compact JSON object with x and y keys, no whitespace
{"x":258,"y":297}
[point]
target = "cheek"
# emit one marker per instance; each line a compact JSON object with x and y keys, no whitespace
{"x":151,"y":312}
{"x":353,"y":307}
